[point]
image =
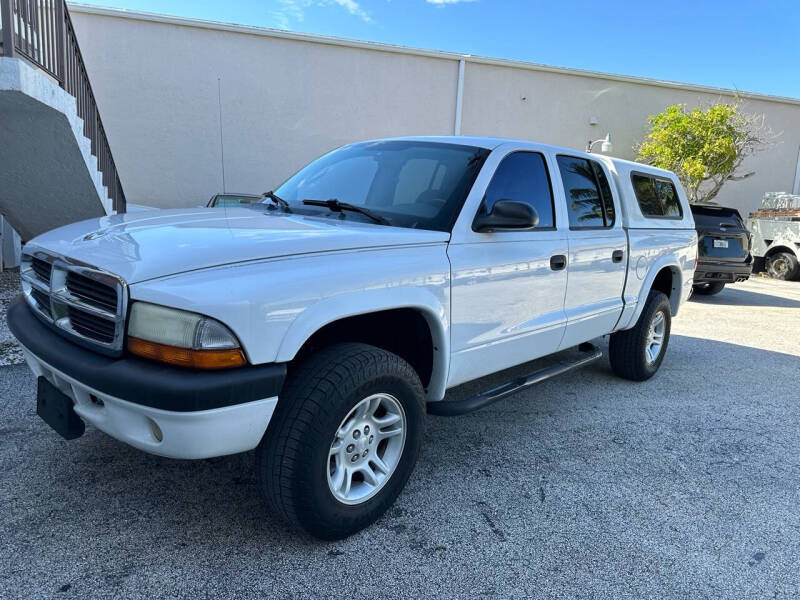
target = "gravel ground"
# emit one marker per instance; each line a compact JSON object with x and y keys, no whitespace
{"x":586,"y":486}
{"x":10,"y":353}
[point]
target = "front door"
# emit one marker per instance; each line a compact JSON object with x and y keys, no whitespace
{"x":508,"y":287}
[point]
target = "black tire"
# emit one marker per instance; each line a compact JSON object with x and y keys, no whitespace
{"x":292,"y":459}
{"x":783,"y":266}
{"x":627,"y":349}
{"x":708,"y":289}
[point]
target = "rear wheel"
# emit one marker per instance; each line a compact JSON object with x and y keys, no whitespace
{"x":637,"y":353}
{"x":708,"y":289}
{"x":783,"y":265}
{"x":343,"y":441}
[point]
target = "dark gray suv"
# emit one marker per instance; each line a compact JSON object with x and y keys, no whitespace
{"x":723,"y":254}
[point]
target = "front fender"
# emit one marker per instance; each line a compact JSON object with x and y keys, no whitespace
{"x":351,"y":304}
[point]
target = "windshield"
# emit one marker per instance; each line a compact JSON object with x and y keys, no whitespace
{"x":409,"y":184}
{"x":233,"y":200}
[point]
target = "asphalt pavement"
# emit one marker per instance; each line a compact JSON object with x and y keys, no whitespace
{"x":687,"y":485}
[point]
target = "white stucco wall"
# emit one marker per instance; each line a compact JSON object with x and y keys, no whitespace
{"x":288,"y":98}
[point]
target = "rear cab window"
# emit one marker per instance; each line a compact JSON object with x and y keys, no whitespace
{"x":657,"y":196}
{"x":590,"y":204}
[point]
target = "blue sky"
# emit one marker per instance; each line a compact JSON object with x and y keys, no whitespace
{"x":753,"y":46}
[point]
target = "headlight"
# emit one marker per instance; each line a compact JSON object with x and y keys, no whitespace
{"x":181,"y":338}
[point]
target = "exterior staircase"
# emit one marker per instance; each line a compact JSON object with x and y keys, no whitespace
{"x":56,"y":165}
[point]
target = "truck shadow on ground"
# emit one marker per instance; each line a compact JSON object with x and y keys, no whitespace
{"x":585,"y":429}
{"x":733,"y":297}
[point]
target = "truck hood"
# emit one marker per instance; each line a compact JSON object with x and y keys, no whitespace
{"x":149,"y":244}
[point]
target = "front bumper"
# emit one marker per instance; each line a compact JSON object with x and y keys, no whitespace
{"x":722,"y":272}
{"x":198,"y":414}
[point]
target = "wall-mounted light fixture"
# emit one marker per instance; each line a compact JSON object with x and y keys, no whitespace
{"x":605,"y":145}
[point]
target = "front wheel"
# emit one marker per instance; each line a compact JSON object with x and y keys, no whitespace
{"x":637,"y":353}
{"x":344,"y":439}
{"x":708,"y":289}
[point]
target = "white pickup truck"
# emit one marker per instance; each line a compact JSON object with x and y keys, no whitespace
{"x":320,"y":326}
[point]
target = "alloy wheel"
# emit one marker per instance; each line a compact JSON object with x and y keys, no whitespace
{"x":655,"y":337}
{"x":366,"y":449}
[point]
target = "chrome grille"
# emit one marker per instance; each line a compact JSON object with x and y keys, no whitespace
{"x":42,"y":301}
{"x":42,"y":269}
{"x":92,"y":291}
{"x":83,"y":302}
{"x":90,"y":326}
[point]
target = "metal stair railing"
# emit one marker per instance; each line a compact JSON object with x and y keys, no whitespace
{"x":41,"y":32}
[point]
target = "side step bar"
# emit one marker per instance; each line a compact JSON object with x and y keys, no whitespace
{"x":459,"y":407}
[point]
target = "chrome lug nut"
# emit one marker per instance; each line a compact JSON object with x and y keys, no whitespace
{"x":356,"y":434}
{"x":371,"y":438}
{"x":365,"y":452}
{"x":355,"y":458}
{"x":350,"y":448}
{"x":366,"y":429}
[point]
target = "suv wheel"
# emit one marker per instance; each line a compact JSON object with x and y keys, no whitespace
{"x":344,"y":439}
{"x":637,"y":353}
{"x":708,"y":289}
{"x":783,"y":265}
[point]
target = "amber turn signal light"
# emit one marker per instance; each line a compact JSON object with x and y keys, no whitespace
{"x":186,"y":357}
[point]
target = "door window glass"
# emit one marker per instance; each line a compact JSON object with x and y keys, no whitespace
{"x":584,"y":204}
{"x":605,"y":192}
{"x":523,"y":177}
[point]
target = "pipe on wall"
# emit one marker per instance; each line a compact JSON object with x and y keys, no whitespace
{"x":796,"y":186}
{"x":459,"y":97}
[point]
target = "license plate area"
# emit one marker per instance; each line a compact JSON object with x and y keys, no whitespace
{"x":720,"y":243}
{"x":57,"y":410}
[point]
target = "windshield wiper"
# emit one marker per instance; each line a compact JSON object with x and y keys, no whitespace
{"x":334,"y":205}
{"x":277,"y":200}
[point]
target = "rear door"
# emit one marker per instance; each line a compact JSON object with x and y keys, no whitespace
{"x":722,"y":235}
{"x":598,"y":250}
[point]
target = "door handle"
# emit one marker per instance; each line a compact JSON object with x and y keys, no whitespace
{"x":617,"y":256}
{"x":558,"y":262}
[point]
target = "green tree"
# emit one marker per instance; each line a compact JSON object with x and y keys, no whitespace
{"x":704,"y":147}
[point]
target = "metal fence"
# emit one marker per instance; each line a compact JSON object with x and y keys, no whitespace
{"x":41,"y":31}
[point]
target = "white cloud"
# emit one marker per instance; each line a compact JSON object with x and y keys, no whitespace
{"x":292,"y":12}
{"x":353,"y":8}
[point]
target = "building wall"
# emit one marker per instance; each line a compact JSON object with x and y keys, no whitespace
{"x":171,"y":90}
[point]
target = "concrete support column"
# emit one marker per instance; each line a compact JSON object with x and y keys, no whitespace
{"x":10,"y":246}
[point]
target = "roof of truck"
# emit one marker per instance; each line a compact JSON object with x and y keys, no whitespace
{"x":489,"y":143}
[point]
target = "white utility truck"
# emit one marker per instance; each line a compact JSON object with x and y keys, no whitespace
{"x":320,"y":326}
{"x":775,"y":227}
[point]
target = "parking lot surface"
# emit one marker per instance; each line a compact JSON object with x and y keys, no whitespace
{"x":687,"y":485}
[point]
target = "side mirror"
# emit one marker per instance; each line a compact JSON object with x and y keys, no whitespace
{"x":506,"y":215}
